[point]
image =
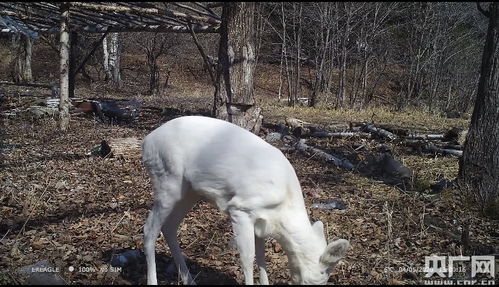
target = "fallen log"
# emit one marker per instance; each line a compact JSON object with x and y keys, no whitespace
{"x":395,"y":130}
{"x":339,"y":127}
{"x":423,"y":146}
{"x":425,"y":136}
{"x":294,"y":123}
{"x":302,"y":146}
{"x":447,"y":145}
{"x":378,"y":131}
{"x":300,"y":128}
{"x":299,"y":144}
{"x":321,"y":134}
{"x":391,"y":132}
{"x":444,"y":151}
{"x":316,"y":132}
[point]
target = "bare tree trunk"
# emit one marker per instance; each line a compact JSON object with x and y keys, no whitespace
{"x":22,"y":47}
{"x":64,"y":69}
{"x":115,"y":58}
{"x":279,"y":93}
{"x":343,"y":68}
{"x":343,"y":75}
{"x":292,"y":79}
{"x":297,"y":89}
{"x":152,"y":56}
{"x":365,"y":74}
{"x":105,"y":52}
{"x":470,"y":96}
{"x":260,"y":27}
{"x":329,"y":71}
{"x":235,"y":99}
{"x":288,"y":76}
{"x":322,"y":48}
{"x":283,"y":49}
{"x":479,"y":165}
{"x":353,"y":93}
{"x":358,"y":71}
{"x":449,"y":95}
{"x":153,"y":77}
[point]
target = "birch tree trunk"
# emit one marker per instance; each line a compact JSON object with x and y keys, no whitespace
{"x":114,"y":58}
{"x":64,"y":69}
{"x":105,"y":59}
{"x":234,"y":99}
{"x":479,"y":165}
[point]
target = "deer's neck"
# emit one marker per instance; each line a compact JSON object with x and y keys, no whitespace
{"x":299,"y":241}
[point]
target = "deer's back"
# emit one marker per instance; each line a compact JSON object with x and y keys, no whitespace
{"x":225,"y":163}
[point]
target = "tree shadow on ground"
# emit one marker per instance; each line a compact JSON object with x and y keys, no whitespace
{"x":21,"y":222}
{"x":135,"y":271}
{"x":44,"y":158}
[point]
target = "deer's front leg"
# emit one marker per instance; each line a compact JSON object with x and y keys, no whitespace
{"x":245,"y":241}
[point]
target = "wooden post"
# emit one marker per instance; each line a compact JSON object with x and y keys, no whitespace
{"x":64,"y":68}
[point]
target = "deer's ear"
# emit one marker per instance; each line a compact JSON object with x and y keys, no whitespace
{"x":334,"y":252}
{"x":318,"y":228}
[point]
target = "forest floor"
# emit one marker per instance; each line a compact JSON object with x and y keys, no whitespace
{"x":59,"y":204}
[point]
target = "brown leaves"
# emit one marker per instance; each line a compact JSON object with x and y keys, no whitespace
{"x":39,"y":244}
{"x":95,"y":207}
{"x":276,"y":247}
{"x":396,"y":282}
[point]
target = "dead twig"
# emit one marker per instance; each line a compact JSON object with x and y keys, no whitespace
{"x":5,"y":235}
{"x":208,"y":246}
{"x":126,"y":213}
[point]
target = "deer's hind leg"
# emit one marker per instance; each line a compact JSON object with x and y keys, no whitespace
{"x":167,"y":197}
{"x":169,"y":230}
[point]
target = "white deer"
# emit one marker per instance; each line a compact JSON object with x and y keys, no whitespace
{"x":193,"y":157}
